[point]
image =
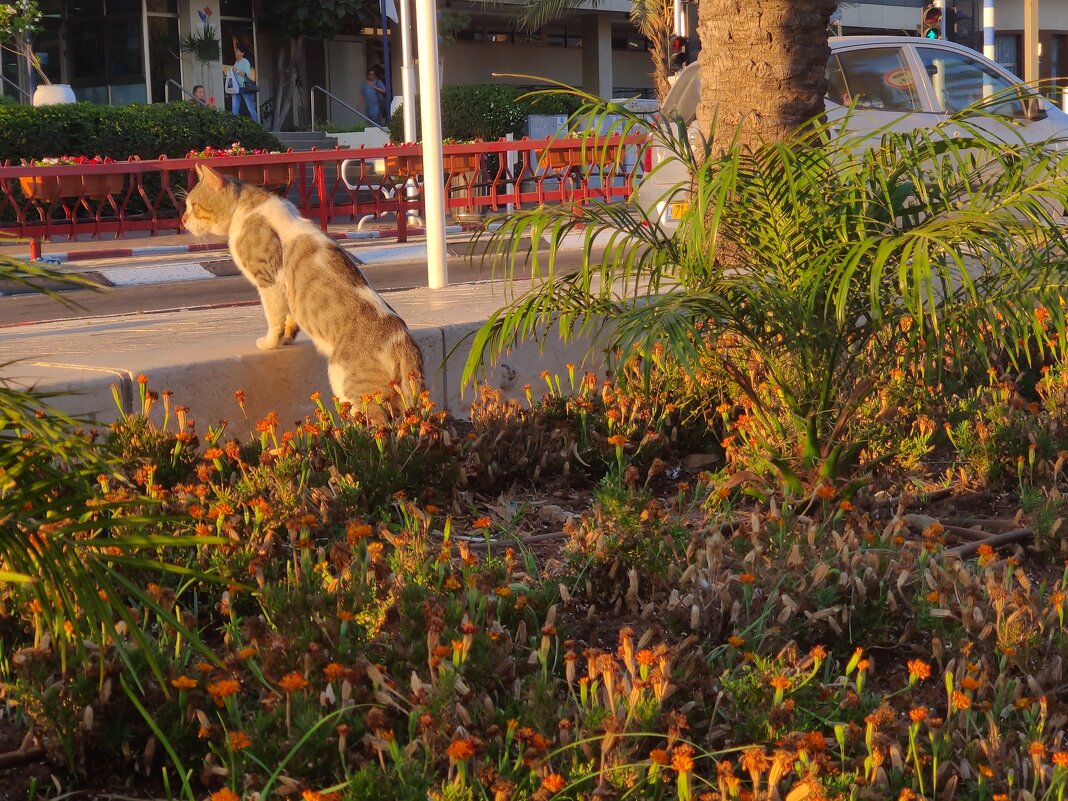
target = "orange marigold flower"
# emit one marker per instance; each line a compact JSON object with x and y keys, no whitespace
{"x":747,"y":578}
{"x":845,"y":506}
{"x":205,"y":667}
{"x":735,"y":641}
{"x":825,"y":492}
{"x":961,"y":701}
{"x":986,"y":771}
{"x":780,"y":682}
{"x":1060,"y":759}
{"x":682,"y":759}
{"x":553,"y":783}
{"x":818,"y":653}
{"x":291,"y":682}
{"x":460,"y":750}
{"x":333,"y":671}
{"x":482,"y":522}
{"x":920,"y":669}
{"x":225,"y":794}
{"x":246,"y":653}
{"x":183,"y":682}
{"x":645,"y":657}
{"x":658,"y":756}
{"x":354,"y":532}
{"x":618,"y":440}
{"x":238,"y":740}
{"x":222,"y":689}
{"x":1037,"y":749}
{"x":933,"y":596}
{"x":918,"y":714}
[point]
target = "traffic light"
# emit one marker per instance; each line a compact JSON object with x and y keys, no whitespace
{"x":680,"y":53}
{"x":931,"y":25}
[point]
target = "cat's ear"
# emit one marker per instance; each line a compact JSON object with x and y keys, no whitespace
{"x":211,"y":178}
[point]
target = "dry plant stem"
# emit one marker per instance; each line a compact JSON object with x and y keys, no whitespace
{"x":1019,"y":535}
{"x":481,"y":545}
{"x":997,"y":524}
{"x":24,"y":754}
{"x":933,"y":495}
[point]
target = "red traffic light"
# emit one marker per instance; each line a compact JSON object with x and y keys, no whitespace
{"x":678,"y":43}
{"x":932,"y":17}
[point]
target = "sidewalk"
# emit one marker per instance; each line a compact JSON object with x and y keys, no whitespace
{"x":203,"y":356}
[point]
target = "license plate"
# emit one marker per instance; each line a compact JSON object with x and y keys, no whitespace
{"x":678,"y":210}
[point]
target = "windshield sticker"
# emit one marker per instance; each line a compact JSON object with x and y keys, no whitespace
{"x":900,"y":78}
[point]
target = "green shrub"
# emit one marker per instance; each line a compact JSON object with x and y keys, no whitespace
{"x":139,"y":129}
{"x":487,"y":111}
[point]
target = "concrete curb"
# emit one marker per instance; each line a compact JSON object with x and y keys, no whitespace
{"x":204,"y":356}
{"x":198,"y":247}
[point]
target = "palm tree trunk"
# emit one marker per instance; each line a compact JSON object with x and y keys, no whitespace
{"x":763,"y":65}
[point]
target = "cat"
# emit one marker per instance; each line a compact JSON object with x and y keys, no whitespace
{"x":308,"y":282}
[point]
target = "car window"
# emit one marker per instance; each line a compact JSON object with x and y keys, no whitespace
{"x":684,"y":95}
{"x":960,"y":81}
{"x":873,"y":78}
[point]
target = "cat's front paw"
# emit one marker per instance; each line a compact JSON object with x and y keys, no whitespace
{"x":267,"y":343}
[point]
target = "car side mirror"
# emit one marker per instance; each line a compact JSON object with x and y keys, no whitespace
{"x":1032,"y":108}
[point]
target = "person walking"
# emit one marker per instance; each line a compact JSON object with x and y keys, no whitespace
{"x":374,"y":97}
{"x":242,"y":71}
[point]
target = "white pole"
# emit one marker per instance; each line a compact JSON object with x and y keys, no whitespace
{"x":679,"y":24}
{"x":426,"y":29}
{"x":407,"y":71}
{"x":988,"y":30}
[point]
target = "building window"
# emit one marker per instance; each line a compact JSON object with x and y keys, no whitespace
{"x":1007,"y":51}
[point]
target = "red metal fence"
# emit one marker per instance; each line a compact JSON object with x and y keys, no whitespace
{"x":329,"y":186}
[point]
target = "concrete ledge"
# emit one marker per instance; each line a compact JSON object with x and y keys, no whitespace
{"x":203,"y":356}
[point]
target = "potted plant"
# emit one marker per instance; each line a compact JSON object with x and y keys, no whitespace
{"x":204,"y":45}
{"x":269,"y":176}
{"x":50,"y":188}
{"x":18,"y":22}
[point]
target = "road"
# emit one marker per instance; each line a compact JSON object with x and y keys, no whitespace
{"x":229,"y":290}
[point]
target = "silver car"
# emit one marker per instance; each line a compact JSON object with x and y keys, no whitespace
{"x":894,"y":83}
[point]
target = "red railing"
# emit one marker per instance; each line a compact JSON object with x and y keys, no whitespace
{"x":329,"y":186}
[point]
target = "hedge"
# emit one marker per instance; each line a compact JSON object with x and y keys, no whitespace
{"x":139,"y":129}
{"x":488,"y":111}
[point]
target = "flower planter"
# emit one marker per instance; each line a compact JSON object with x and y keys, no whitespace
{"x":48,"y":188}
{"x":413,"y":164}
{"x":51,"y":94}
{"x":464,"y":163}
{"x":405,"y":165}
{"x":595,"y":154}
{"x":269,"y":176}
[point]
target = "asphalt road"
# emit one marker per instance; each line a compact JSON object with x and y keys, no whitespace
{"x":228,"y":290}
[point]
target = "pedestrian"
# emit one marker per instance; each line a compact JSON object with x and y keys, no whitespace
{"x":199,"y":95}
{"x":239,"y":84}
{"x":374,"y":97}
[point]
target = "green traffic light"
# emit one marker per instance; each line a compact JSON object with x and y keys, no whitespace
{"x":932,"y":33}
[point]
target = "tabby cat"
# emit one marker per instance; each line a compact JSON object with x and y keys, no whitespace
{"x":307,"y":281}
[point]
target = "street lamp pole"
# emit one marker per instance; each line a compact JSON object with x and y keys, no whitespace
{"x":426,"y":29}
{"x":407,"y":70}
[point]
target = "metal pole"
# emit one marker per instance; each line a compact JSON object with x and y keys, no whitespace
{"x":386,"y":66}
{"x":426,"y":28}
{"x":1030,"y":41}
{"x":679,"y":15}
{"x":407,"y":71}
{"x":988,"y":30}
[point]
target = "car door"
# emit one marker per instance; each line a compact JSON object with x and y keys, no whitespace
{"x":959,"y":79}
